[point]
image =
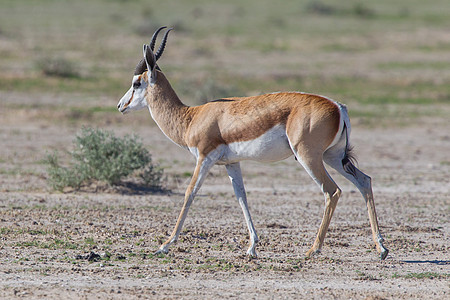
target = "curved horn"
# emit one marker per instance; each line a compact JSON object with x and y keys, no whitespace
{"x":163,"y":45}
{"x":155,"y":35}
{"x":140,"y":68}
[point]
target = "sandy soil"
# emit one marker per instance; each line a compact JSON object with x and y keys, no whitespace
{"x":100,"y":244}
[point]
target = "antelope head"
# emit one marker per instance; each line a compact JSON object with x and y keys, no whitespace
{"x":144,"y":76}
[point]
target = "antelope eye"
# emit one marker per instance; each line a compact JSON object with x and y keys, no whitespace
{"x":136,"y":84}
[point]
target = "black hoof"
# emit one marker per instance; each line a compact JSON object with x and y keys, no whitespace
{"x":160,"y":252}
{"x":384,"y":253}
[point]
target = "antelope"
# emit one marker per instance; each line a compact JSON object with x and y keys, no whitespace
{"x":265,"y":128}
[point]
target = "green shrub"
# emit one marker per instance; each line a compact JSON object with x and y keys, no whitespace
{"x":98,"y":155}
{"x":58,"y":67}
{"x":320,"y":8}
{"x":210,"y":90}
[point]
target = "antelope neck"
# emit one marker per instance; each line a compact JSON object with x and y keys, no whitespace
{"x":167,"y":110}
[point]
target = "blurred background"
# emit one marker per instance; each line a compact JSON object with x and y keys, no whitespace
{"x":71,"y":61}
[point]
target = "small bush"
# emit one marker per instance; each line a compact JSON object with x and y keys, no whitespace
{"x":320,"y":8}
{"x":358,"y":9}
{"x":100,"y":156}
{"x":363,"y":11}
{"x":58,"y":67}
{"x":211,"y":90}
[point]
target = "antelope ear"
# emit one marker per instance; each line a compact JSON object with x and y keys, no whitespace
{"x":150,"y":61}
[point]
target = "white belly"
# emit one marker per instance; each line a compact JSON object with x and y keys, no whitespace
{"x":269,"y":147}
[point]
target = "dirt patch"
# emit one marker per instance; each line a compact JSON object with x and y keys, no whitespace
{"x":101,"y":244}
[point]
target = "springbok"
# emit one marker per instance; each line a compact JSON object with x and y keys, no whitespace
{"x":264,"y":128}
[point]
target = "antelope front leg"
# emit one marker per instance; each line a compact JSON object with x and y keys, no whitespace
{"x":235,"y":174}
{"x":201,"y":170}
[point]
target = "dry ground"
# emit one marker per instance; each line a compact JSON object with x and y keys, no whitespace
{"x":47,"y":238}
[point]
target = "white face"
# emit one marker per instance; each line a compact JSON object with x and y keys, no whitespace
{"x":134,"y":98}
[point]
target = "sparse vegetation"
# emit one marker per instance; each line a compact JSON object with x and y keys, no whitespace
{"x":224,"y":50}
{"x":99,"y":155}
{"x":211,"y":90}
{"x":422,"y":275}
{"x":58,"y":67}
{"x":55,"y":244}
{"x":320,"y":8}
